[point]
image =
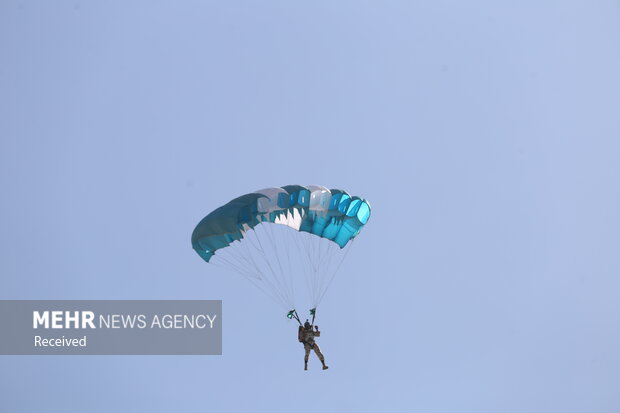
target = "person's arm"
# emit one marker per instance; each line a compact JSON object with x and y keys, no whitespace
{"x":317,"y":333}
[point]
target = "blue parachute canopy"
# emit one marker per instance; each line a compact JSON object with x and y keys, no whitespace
{"x":327,"y":213}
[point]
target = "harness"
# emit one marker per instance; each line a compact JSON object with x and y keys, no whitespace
{"x":301,"y":333}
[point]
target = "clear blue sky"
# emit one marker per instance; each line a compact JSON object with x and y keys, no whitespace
{"x":485,"y":134}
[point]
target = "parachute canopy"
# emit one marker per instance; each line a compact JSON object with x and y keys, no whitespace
{"x":316,"y":224}
{"x":331,"y":214}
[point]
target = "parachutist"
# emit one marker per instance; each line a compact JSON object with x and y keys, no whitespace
{"x":248,"y":235}
{"x":306,"y":336}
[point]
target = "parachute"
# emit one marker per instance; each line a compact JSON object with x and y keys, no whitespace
{"x":278,"y":236}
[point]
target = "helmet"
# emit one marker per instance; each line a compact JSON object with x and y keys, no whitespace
{"x":307,"y":325}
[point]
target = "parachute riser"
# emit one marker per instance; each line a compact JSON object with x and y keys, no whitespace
{"x":293,"y":314}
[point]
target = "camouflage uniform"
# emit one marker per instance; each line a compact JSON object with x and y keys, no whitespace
{"x":307,"y":338}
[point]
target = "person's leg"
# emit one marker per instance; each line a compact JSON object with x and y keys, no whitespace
{"x":307,"y":348}
{"x":317,"y":350}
